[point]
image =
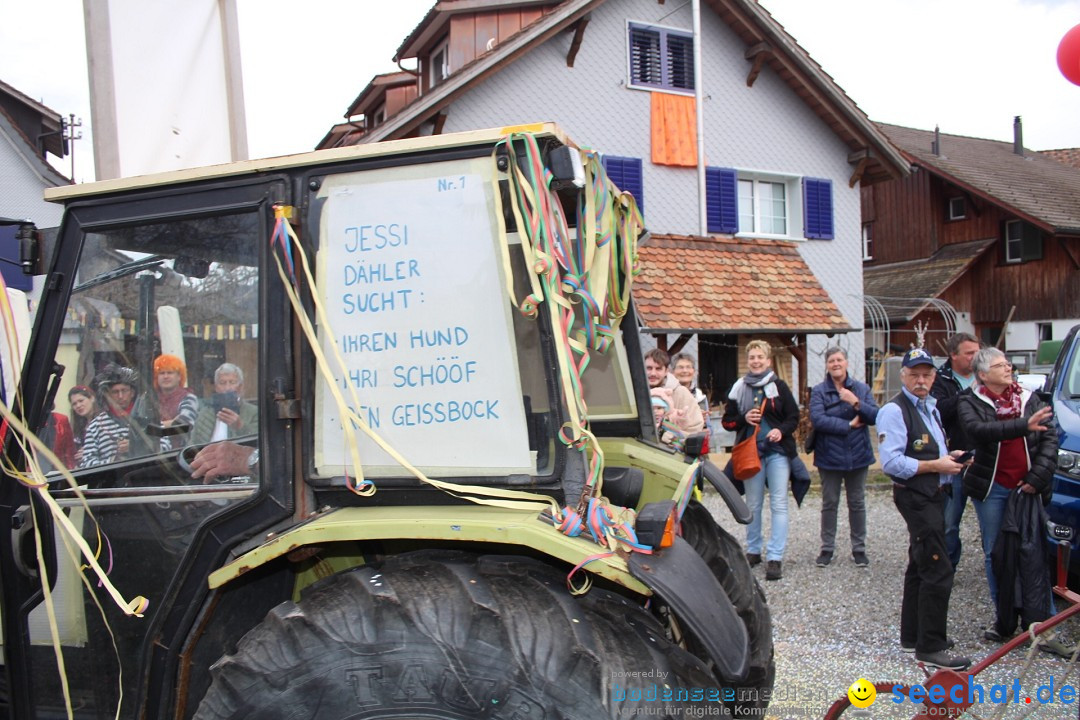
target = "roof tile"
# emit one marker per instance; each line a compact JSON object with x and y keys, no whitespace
{"x":731,"y":285}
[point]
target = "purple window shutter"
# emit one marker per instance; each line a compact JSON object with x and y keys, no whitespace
{"x":661,"y":58}
{"x":646,"y":67}
{"x":679,"y":57}
{"x":817,"y":209}
{"x":721,"y":200}
{"x":9,"y":260}
{"x":626,"y":173}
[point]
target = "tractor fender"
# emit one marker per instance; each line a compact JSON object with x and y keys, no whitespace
{"x":679,"y":576}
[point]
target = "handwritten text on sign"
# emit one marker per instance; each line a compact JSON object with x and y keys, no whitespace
{"x":410,"y":276}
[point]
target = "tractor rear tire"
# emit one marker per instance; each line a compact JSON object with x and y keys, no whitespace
{"x":451,"y":635}
{"x":725,"y":557}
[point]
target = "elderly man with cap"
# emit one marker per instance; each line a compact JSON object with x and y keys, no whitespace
{"x":915,"y":456}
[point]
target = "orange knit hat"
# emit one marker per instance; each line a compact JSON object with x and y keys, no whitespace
{"x":170,"y":362}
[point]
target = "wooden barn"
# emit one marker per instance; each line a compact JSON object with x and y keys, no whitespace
{"x":983,"y":237}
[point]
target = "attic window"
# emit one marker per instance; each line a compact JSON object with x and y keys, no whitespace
{"x":439,"y":64}
{"x":957,"y":208}
{"x":660,"y":58}
{"x":378,"y":117}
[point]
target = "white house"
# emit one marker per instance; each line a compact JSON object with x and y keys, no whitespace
{"x":786,"y":152}
{"x":28,"y":132}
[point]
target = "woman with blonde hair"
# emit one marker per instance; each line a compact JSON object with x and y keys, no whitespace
{"x":760,"y":398}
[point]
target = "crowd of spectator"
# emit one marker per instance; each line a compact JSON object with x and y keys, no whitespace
{"x":964,"y":430}
{"x":116,"y":418}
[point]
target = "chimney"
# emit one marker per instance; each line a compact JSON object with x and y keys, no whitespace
{"x":935,"y":146}
{"x":1018,"y":136}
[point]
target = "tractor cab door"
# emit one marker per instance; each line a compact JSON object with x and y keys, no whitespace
{"x":156,"y":337}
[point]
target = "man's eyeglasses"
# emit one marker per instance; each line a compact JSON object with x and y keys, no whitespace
{"x":995,"y":366}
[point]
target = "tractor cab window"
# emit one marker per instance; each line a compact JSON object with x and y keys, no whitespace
{"x":159,"y":341}
{"x":160,"y":354}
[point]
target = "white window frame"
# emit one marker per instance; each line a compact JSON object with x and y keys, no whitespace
{"x":436,"y":79}
{"x":963,"y":207}
{"x":663,"y":30}
{"x":792,"y":203}
{"x":867,"y":240}
{"x":1010,"y":225}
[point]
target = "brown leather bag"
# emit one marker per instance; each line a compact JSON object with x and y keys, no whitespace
{"x":745,"y":461}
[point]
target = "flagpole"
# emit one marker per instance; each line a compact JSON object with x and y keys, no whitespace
{"x":703,"y":223}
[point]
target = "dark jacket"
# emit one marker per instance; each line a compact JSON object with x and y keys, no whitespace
{"x":976,"y":412}
{"x":947,"y":391}
{"x":1019,"y":560}
{"x":781,"y":412}
{"x":837,"y":445}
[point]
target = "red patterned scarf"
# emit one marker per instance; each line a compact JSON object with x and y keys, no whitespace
{"x":1007,"y":404}
{"x":169,"y":402}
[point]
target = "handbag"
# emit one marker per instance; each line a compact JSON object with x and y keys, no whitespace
{"x":808,"y":443}
{"x":745,"y":460}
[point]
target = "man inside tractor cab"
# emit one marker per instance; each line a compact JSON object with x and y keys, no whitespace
{"x":225,"y":414}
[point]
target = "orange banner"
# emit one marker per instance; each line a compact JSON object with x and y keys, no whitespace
{"x":674,"y":130}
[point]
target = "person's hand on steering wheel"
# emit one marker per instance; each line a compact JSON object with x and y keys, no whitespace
{"x":222,"y":459}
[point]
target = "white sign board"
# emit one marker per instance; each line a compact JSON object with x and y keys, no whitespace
{"x":411,"y":275}
{"x":166,"y":86}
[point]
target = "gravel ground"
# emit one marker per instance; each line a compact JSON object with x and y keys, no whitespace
{"x":834,"y":625}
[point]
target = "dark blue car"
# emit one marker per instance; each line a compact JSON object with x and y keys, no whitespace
{"x":1063,"y":386}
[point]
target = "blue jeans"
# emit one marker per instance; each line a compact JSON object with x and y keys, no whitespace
{"x":990,"y":512}
{"x":954,"y":512}
{"x":777,"y":468}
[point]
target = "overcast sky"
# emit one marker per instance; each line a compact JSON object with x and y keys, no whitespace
{"x":966,"y":65}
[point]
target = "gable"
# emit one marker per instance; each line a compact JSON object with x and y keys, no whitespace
{"x":874,"y":157}
{"x":25,"y":177}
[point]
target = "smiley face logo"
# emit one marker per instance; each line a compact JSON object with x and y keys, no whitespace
{"x":862,"y":693}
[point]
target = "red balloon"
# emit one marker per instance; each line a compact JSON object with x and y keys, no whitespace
{"x":1068,"y":56}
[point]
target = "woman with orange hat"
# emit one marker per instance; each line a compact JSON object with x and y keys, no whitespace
{"x":176,"y":403}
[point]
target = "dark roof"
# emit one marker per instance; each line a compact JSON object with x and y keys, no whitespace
{"x":41,"y":126}
{"x":1032,"y":186}
{"x":755,"y":26}
{"x":720,"y":285}
{"x":904,"y":288}
{"x":22,"y":144}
